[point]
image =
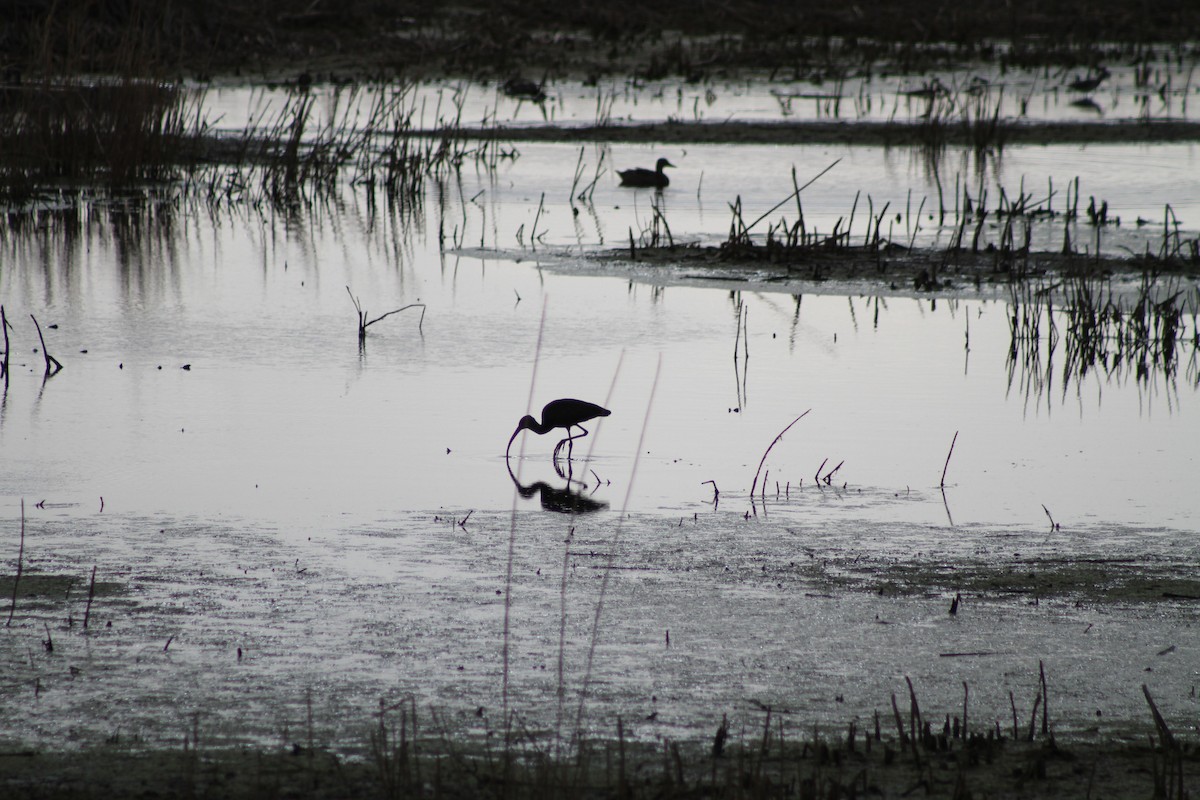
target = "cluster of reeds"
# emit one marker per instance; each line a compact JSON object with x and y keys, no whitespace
{"x":1014,"y":218}
{"x":1101,"y":331}
{"x":787,"y":240}
{"x":585,"y":192}
{"x":1011,"y":249}
{"x":654,"y":234}
{"x":61,"y":123}
{"x":114,"y":132}
{"x":65,"y":128}
{"x":376,"y":137}
{"x":899,"y":752}
{"x":141,"y":145}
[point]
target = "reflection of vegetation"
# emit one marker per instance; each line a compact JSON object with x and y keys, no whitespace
{"x":374,"y":136}
{"x":56,"y":126}
{"x":972,"y":110}
{"x":117,"y":132}
{"x":136,"y":132}
{"x":1101,"y":331}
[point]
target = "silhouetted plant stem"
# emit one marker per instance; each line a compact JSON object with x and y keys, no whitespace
{"x":536,"y":217}
{"x":608,"y":570}
{"x":87,"y":611}
{"x":512,"y":535}
{"x":966,"y":695}
{"x":20,"y":564}
{"x":768,"y":450}
{"x":1164,"y":732}
{"x":1045,"y":699}
{"x":947,"y":465}
{"x":772,"y":209}
{"x":53,"y":367}
{"x":363,"y":322}
{"x":4,"y":363}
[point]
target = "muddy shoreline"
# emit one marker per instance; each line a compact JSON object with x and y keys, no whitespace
{"x":894,"y":269}
{"x":867,"y":758}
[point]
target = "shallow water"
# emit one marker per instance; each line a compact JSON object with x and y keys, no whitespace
{"x":344,"y":515}
{"x":1165,"y":88}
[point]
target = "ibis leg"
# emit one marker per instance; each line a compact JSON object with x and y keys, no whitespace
{"x":569,"y":442}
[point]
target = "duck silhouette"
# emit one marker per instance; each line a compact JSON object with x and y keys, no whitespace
{"x":1091,"y":82}
{"x":524,"y":89}
{"x":640,"y":176}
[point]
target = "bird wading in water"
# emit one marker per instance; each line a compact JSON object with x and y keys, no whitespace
{"x":641,"y":176}
{"x":566,"y":413}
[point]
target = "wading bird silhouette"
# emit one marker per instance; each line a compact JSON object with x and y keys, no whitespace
{"x":565,"y":413}
{"x":640,"y":176}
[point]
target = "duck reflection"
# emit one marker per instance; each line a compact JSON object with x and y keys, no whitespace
{"x":563,"y":501}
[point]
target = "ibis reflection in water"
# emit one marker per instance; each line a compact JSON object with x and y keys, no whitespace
{"x":566,"y":413}
{"x":563,"y":501}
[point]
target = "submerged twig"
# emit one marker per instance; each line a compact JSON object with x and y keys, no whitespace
{"x":363,"y":322}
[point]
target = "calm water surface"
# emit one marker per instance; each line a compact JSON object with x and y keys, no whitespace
{"x":1165,"y":89}
{"x":221,"y":446}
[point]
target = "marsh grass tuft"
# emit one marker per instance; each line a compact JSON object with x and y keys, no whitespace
{"x":62,"y":136}
{"x":775,"y":756}
{"x":374,"y":136}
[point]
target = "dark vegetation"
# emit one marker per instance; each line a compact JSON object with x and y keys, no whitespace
{"x":902,"y":751}
{"x":92,"y":92}
{"x":478,"y":38}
